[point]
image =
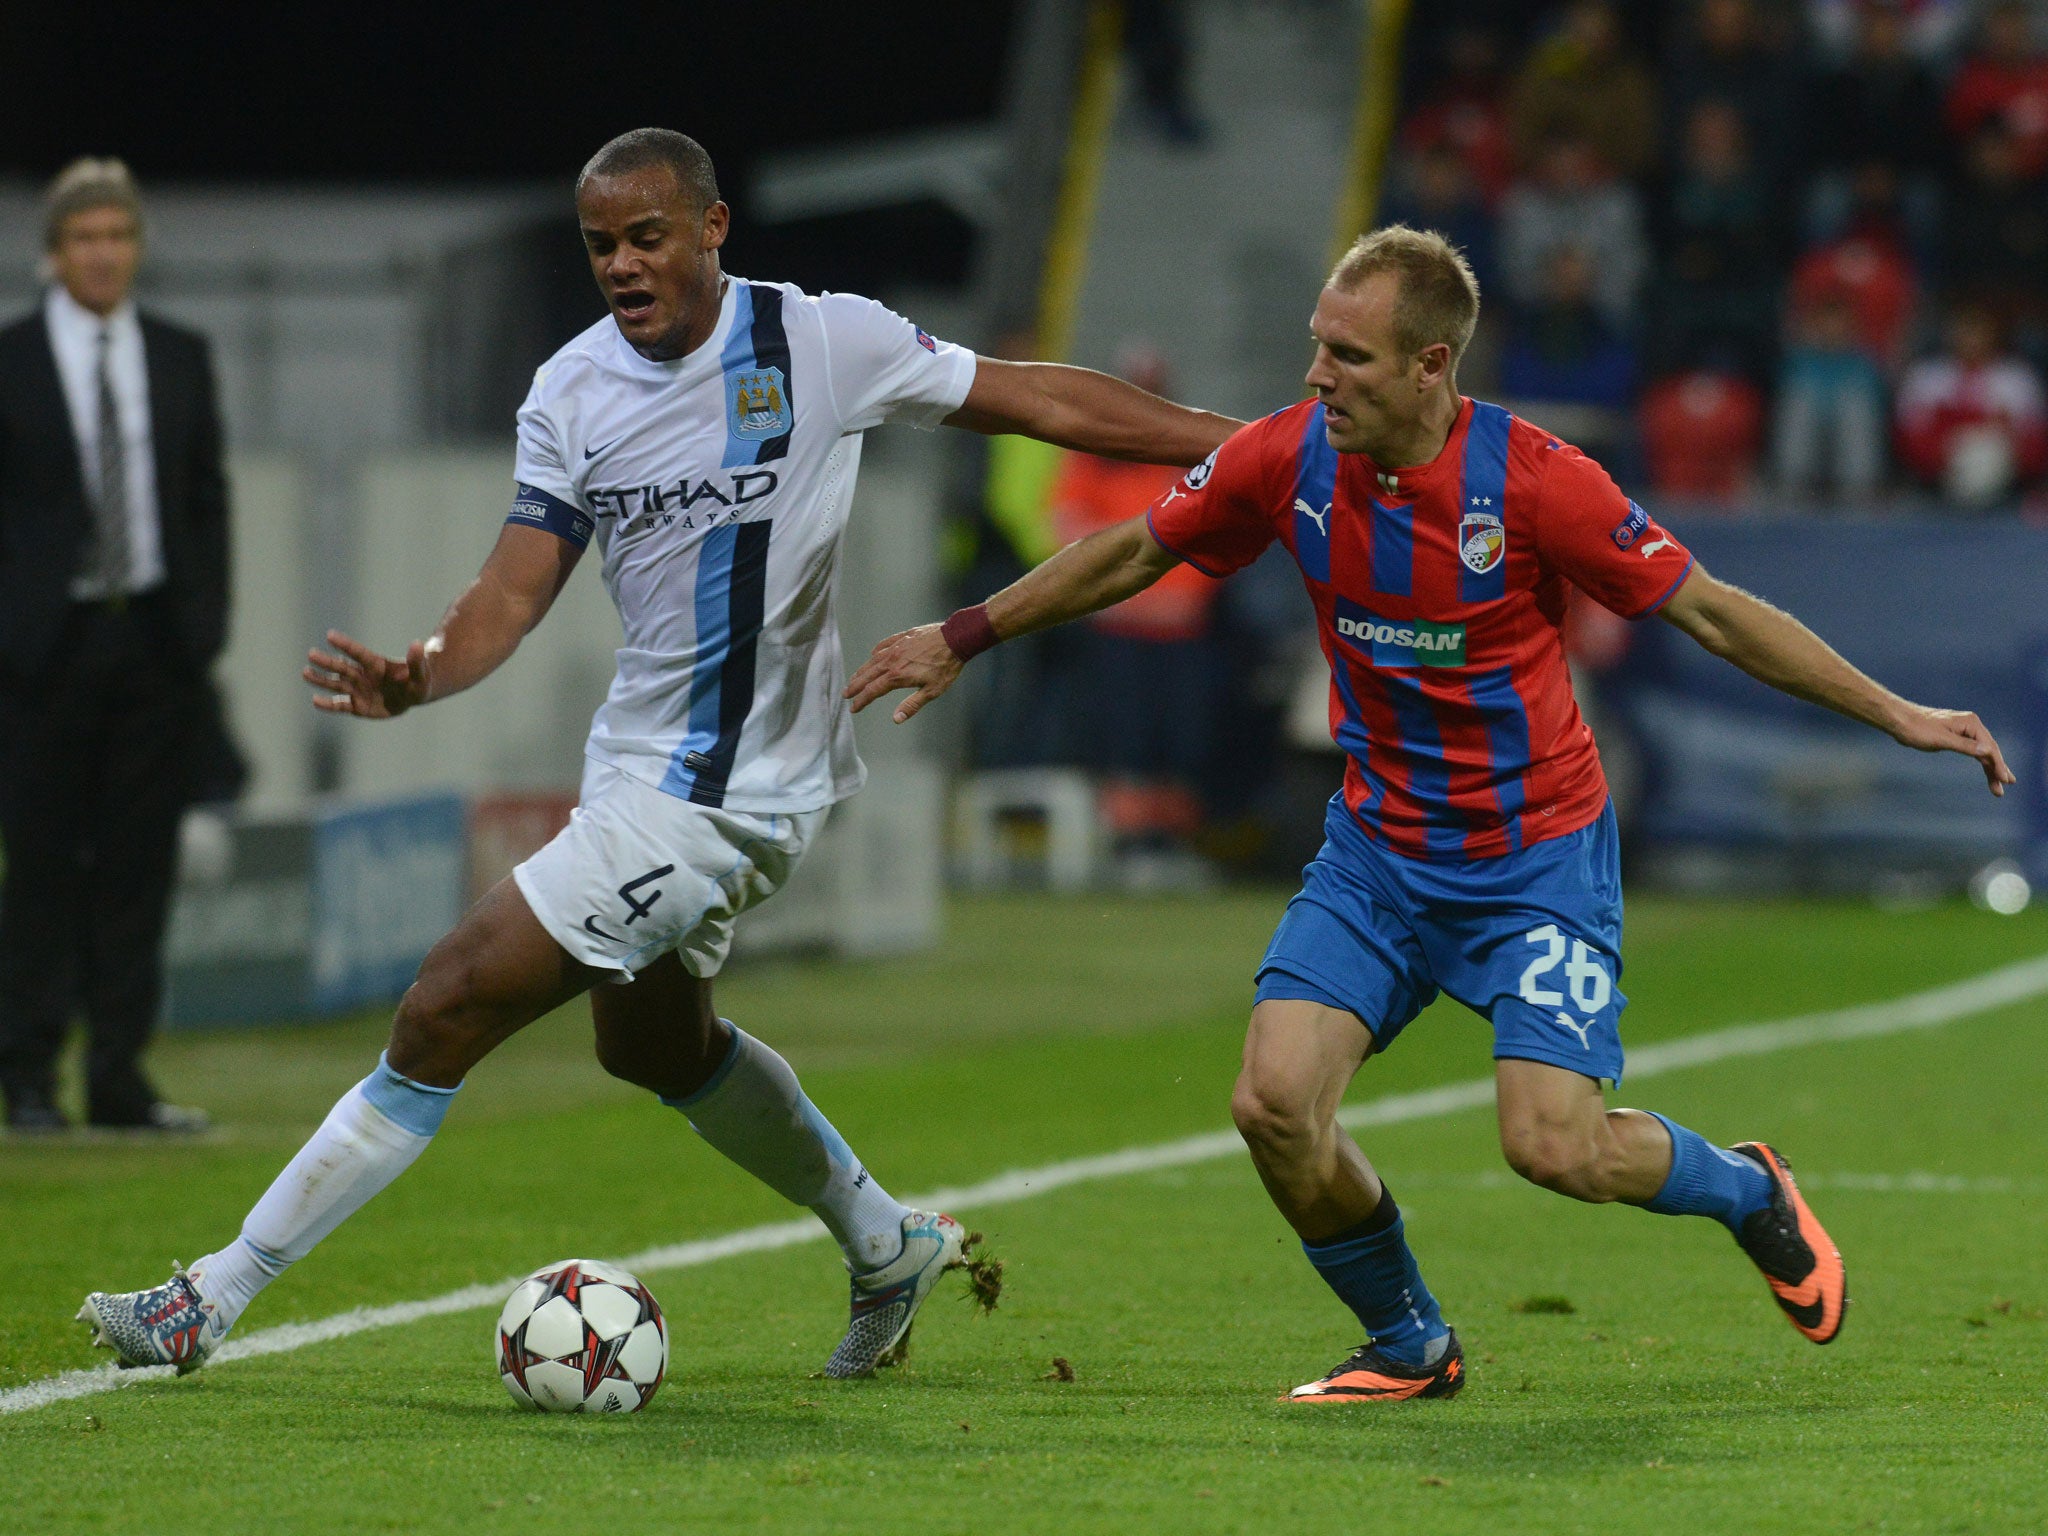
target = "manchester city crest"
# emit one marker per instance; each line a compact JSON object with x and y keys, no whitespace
{"x":1482,"y":540}
{"x":758,"y":401}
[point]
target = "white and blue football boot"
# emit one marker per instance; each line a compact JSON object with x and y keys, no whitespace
{"x":885,"y":1300}
{"x":167,"y":1324}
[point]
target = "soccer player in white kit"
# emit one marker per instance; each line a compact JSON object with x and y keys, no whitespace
{"x":706,"y":434}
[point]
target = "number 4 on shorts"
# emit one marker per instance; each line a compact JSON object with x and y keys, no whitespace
{"x":641,"y":908}
{"x":1583,"y":972}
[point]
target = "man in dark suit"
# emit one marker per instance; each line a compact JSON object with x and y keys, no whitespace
{"x":113,"y":604}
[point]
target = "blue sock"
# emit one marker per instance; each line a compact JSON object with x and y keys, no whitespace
{"x":1706,"y":1180}
{"x":1373,"y":1272}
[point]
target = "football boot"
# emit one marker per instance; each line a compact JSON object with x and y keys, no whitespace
{"x":1794,"y":1251}
{"x":167,"y":1324}
{"x":885,"y":1300}
{"x":1370,"y":1376}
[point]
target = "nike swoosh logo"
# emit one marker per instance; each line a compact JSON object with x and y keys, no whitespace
{"x":1808,"y":1314}
{"x":590,"y":926}
{"x":591,"y":453}
{"x":1803,"y":1297}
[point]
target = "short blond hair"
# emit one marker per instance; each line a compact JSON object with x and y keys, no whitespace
{"x":89,"y":183}
{"x":1439,"y":296}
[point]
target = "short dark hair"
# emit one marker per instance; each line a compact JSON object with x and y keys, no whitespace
{"x":643,"y":148}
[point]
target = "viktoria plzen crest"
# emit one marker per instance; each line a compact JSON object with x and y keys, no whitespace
{"x":760,"y":404}
{"x":1482,"y":540}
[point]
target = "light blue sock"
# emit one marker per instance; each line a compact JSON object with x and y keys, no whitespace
{"x":1374,"y":1273}
{"x":1706,"y":1180}
{"x":416,"y":1107}
{"x":755,"y":1112}
{"x":368,"y":1139}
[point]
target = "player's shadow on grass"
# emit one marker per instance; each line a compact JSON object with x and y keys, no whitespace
{"x":1539,"y":1433}
{"x":769,"y":1428}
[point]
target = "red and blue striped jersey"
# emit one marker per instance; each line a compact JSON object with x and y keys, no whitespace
{"x":1440,"y":595}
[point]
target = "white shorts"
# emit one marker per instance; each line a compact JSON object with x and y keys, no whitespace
{"x":637,"y":873}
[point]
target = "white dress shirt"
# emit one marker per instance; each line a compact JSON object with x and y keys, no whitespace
{"x":75,"y":338}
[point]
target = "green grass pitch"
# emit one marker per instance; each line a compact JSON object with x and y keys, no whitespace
{"x":1671,"y":1391}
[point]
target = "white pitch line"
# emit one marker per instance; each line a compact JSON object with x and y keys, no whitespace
{"x":1920,"y":1010}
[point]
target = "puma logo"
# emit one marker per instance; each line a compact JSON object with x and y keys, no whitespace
{"x":1577,"y":1028}
{"x":1654,"y":545}
{"x":1308,"y":511}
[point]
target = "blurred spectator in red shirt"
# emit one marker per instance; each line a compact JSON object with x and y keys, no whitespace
{"x":1582,"y":82}
{"x":1830,"y":417}
{"x":1973,"y":422}
{"x":2005,"y":83}
{"x":1568,"y":202}
{"x":1151,"y":677}
{"x":1464,"y":109}
{"x":1091,"y":494}
{"x":1868,"y":267}
{"x":1701,"y":433}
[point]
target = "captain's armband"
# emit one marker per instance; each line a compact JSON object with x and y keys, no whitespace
{"x":535,"y":508}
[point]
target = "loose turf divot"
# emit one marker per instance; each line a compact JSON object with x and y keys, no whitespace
{"x":984,"y":1274}
{"x":1062,"y":1370}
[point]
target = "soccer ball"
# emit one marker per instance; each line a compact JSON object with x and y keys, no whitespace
{"x":582,"y":1337}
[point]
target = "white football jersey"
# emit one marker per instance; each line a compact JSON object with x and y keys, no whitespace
{"x":717,"y":486}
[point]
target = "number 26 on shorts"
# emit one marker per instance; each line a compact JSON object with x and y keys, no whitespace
{"x":1583,"y":972}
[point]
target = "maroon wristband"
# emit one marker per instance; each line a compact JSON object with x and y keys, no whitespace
{"x":968,"y":631}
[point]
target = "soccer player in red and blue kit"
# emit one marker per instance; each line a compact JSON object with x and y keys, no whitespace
{"x":1472,"y":847}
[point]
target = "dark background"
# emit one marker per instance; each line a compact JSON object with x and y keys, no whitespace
{"x":389,"y":93}
{"x":394,"y":95}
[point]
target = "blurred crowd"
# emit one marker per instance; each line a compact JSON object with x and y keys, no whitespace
{"x":1754,"y":255}
{"x":1749,"y":250}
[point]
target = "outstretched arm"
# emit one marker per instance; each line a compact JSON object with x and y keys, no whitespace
{"x":482,"y":627}
{"x":1089,"y":411}
{"x":1775,"y":648}
{"x":1094,"y":573}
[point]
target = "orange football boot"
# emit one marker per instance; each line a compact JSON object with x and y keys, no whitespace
{"x":1794,"y":1251}
{"x":1371,"y":1377}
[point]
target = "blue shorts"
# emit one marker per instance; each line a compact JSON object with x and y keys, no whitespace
{"x":1531,"y":941}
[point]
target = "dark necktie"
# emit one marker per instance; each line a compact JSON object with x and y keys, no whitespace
{"x":111,"y":554}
